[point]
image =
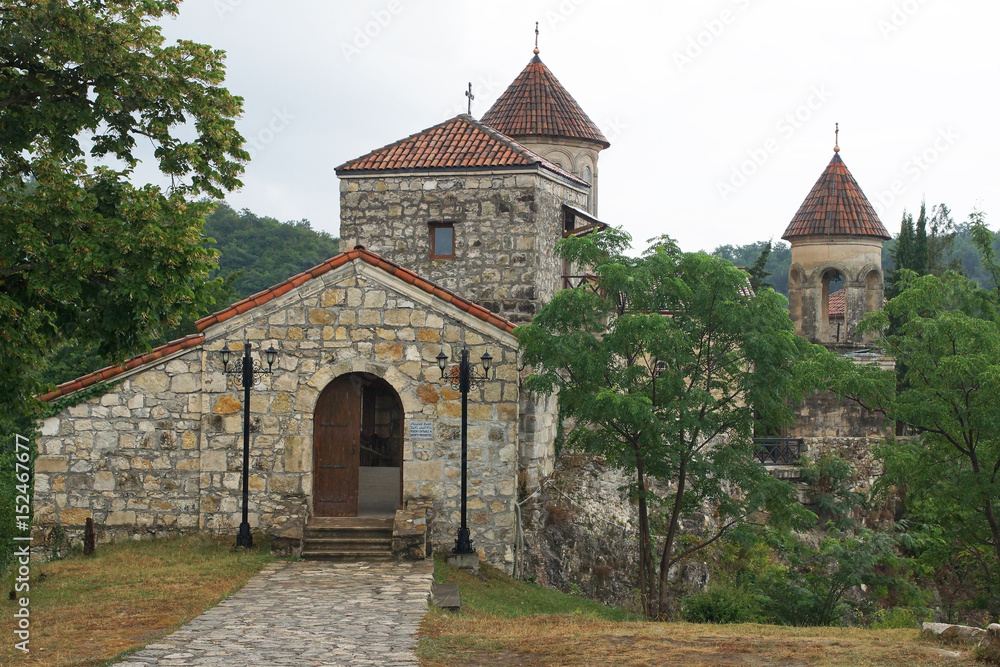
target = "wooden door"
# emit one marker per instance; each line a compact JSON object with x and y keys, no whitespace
{"x":336,"y":449}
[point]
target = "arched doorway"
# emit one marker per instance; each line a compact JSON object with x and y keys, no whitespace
{"x":357,"y":448}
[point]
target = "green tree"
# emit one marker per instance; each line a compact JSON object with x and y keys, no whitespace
{"x":779,"y":260}
{"x":947,"y":339}
{"x":920,"y":243}
{"x":902,"y":253}
{"x":662,"y":370}
{"x":85,"y":255}
{"x":758,"y":274}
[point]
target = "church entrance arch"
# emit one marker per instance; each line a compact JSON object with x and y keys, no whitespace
{"x":357,"y":448}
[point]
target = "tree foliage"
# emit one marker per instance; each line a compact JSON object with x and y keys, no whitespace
{"x":665,"y":369}
{"x":85,"y":255}
{"x":947,"y":340}
{"x":778,"y":259}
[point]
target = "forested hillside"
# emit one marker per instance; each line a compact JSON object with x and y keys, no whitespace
{"x":262,"y":250}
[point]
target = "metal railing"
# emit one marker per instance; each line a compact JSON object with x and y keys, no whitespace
{"x":571,"y":282}
{"x":778,"y":451}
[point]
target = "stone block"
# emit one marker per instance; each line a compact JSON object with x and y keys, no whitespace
{"x":184,"y":384}
{"x":151,"y":382}
{"x":374,"y":299}
{"x":104,"y":481}
{"x":121,"y":518}
{"x":467,"y":562}
{"x":321,"y":316}
{"x":284,"y":483}
{"x":423,"y":471}
{"x":51,"y":464}
{"x":74,"y":516}
{"x":50,"y":426}
{"x":213,"y":460}
{"x":226,"y":405}
{"x":298,"y":453}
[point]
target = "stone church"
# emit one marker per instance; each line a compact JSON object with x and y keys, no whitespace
{"x":447,"y":244}
{"x":447,"y":239}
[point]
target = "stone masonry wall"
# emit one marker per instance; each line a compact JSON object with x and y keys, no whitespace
{"x":162,"y":451}
{"x":505,"y":229}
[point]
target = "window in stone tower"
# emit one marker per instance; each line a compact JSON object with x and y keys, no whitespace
{"x":442,"y":240}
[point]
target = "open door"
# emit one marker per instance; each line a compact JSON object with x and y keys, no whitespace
{"x":336,"y":448}
{"x":358,"y":448}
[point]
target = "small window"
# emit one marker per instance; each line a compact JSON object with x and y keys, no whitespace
{"x":587,"y":175}
{"x":569,"y":221}
{"x":442,"y":240}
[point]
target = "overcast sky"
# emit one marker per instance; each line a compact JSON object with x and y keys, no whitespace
{"x":720,"y":113}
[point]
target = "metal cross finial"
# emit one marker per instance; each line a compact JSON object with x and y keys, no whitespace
{"x":471,"y":97}
{"x":836,"y":138}
{"x":536,"y":38}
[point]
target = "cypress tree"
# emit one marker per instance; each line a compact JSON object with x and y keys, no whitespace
{"x":920,"y":242}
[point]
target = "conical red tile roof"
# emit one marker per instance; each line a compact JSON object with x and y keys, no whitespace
{"x":536,"y":104}
{"x":460,"y":142}
{"x":836,"y":205}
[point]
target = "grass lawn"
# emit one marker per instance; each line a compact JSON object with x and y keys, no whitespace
{"x":503,"y":622}
{"x":87,"y":610}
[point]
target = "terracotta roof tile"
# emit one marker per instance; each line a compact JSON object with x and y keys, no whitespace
{"x":836,"y":305}
{"x":836,"y":205}
{"x":461,"y":142}
{"x":111,"y":371}
{"x":536,"y":104}
{"x":270,"y":294}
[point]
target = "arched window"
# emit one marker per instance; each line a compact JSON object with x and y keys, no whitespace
{"x":587,"y":176}
{"x":834,"y":307}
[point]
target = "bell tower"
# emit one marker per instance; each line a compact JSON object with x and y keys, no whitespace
{"x":836,"y":272}
{"x":538,"y":112}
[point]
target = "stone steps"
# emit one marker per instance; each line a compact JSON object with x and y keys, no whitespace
{"x":348,"y":538}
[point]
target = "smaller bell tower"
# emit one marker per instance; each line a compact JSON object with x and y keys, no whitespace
{"x":540,"y":114}
{"x":836,"y":272}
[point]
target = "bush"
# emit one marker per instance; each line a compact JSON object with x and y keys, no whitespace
{"x":722,"y":603}
{"x":898,"y":618}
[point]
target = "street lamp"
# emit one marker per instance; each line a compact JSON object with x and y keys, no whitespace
{"x":464,"y":379}
{"x":247,"y":373}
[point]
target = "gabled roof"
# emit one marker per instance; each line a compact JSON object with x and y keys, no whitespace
{"x":836,"y":205}
{"x":240,"y":307}
{"x":536,"y":104}
{"x":461,"y":142}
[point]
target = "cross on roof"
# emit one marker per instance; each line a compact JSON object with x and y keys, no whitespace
{"x":471,"y":97}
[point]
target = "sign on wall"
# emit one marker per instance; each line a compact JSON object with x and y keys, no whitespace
{"x":422,"y":430}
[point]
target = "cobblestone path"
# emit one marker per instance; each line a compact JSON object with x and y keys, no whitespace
{"x":305,"y":614}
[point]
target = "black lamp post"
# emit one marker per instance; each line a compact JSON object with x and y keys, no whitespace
{"x":464,"y":379}
{"x":248,"y":372}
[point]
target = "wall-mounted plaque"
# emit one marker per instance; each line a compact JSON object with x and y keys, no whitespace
{"x":422,"y":430}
